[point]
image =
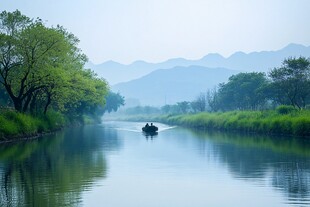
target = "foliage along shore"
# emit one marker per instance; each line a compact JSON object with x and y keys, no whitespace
{"x":44,"y":85}
{"x":282,"y":121}
{"x":16,"y":126}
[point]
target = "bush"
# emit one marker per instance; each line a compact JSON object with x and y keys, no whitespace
{"x":302,"y":126}
{"x":15,"y":124}
{"x":284,"y":109}
{"x":7,"y":127}
{"x":55,"y":120}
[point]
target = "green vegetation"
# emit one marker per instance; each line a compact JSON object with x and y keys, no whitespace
{"x":244,"y":91}
{"x":291,"y":83}
{"x":249,"y":121}
{"x":294,"y":123}
{"x":113,"y":102}
{"x":248,"y":102}
{"x":42,"y":77}
{"x":42,"y":68}
{"x":286,"y":85}
{"x":19,"y":125}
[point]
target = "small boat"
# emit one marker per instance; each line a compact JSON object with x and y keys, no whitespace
{"x":150,"y":129}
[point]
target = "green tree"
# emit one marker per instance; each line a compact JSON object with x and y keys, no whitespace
{"x":170,"y":109}
{"x":244,"y":91}
{"x":42,"y":67}
{"x":166,"y":109}
{"x":200,"y":103}
{"x":11,"y":25}
{"x":212,"y":99}
{"x":291,"y":82}
{"x":83,"y":94}
{"x":113,"y":102}
{"x":29,"y":52}
{"x":183,"y":106}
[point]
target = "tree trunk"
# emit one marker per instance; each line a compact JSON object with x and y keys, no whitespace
{"x":48,"y":102}
{"x":18,"y":104}
{"x":33,"y":104}
{"x":25,"y":107}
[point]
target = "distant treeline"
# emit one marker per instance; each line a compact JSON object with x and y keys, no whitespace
{"x":288,"y":84}
{"x":285,"y":85}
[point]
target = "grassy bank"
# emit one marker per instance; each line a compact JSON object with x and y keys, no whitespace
{"x":14,"y":125}
{"x":291,"y":123}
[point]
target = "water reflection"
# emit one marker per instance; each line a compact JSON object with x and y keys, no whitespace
{"x":294,"y":179}
{"x":53,"y":171}
{"x":150,"y":135}
{"x":283,"y":162}
{"x":70,"y":168}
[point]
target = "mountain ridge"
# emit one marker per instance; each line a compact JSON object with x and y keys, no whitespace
{"x":261,"y":61}
{"x":168,"y":86}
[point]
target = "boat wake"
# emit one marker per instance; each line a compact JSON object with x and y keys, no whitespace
{"x":160,"y":129}
{"x":135,"y":126}
{"x":166,"y":128}
{"x":128,"y":130}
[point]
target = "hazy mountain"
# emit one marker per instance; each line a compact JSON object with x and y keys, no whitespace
{"x":168,"y":86}
{"x":115,"y":72}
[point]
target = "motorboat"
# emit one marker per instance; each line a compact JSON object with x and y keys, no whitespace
{"x":150,"y":128}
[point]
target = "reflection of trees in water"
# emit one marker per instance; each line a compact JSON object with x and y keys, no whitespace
{"x":54,"y":171}
{"x":256,"y":157}
{"x":243,"y":162}
{"x":295,"y":178}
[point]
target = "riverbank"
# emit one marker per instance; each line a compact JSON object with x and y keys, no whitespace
{"x":19,"y":126}
{"x":271,"y":122}
{"x":15,"y":126}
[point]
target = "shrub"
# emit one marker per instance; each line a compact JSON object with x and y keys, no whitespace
{"x":7,"y":127}
{"x":301,"y":126}
{"x":284,"y":109}
{"x":14,"y":124}
{"x":54,"y":120}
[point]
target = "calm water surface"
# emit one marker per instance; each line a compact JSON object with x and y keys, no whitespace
{"x":115,"y":165}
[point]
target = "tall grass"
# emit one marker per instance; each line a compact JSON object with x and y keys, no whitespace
{"x":280,"y":121}
{"x":14,"y":124}
{"x":266,"y":122}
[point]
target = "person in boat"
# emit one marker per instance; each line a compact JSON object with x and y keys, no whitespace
{"x":149,"y":128}
{"x":153,"y":127}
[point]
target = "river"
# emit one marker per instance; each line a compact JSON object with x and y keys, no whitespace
{"x":115,"y":165}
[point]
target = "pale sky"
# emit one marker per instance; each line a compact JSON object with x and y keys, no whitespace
{"x":157,"y":30}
